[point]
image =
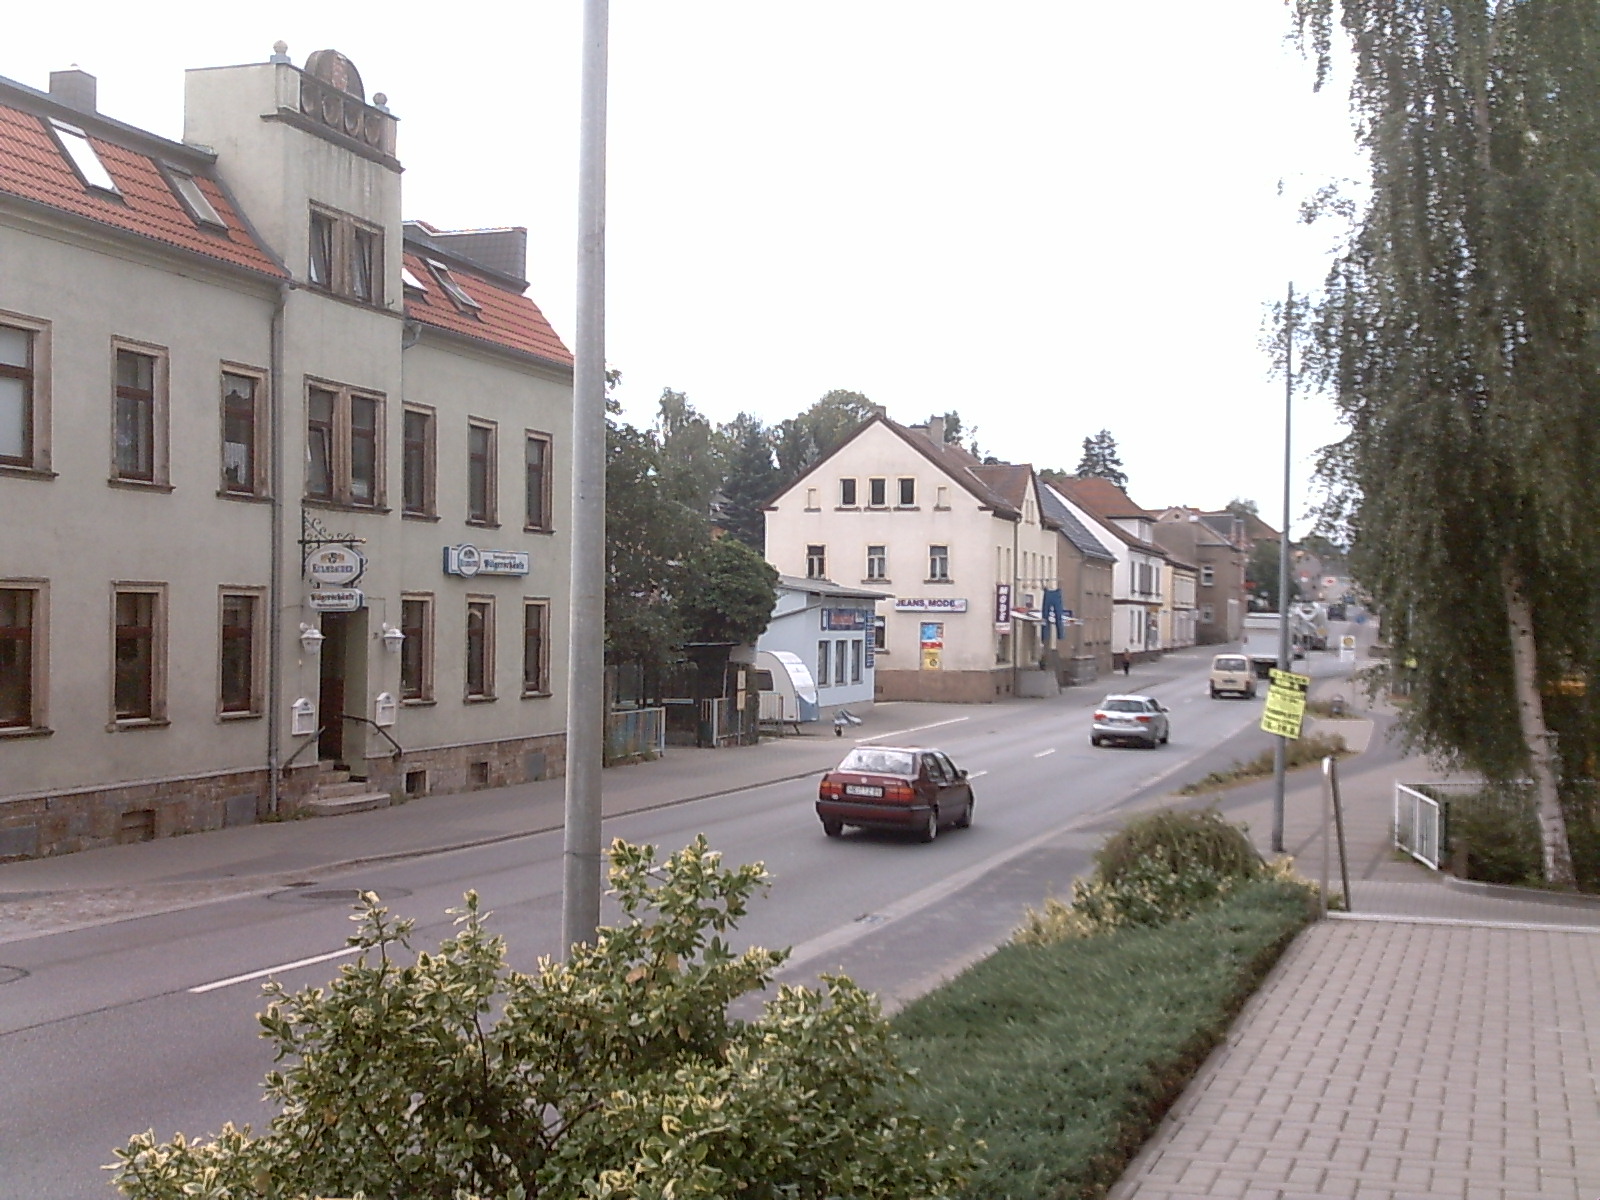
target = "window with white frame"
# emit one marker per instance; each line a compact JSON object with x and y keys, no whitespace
{"x":816,"y":562}
{"x":908,"y":492}
{"x":847,"y":493}
{"x":841,"y":659}
{"x":938,"y":563}
{"x":877,"y":562}
{"x":823,"y":659}
{"x":877,"y":493}
{"x":857,"y":657}
{"x":1208,"y":576}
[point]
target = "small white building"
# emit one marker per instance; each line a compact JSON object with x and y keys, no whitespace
{"x":833,"y":630}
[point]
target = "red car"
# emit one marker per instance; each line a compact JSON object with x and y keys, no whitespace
{"x":894,"y":787}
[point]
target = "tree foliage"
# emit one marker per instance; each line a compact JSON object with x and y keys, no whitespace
{"x":617,"y":1075}
{"x":733,"y":594}
{"x":820,"y":430}
{"x":750,"y":480}
{"x":1459,"y":334}
{"x":1100,"y":459}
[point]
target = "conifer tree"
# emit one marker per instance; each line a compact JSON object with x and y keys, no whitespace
{"x":1100,"y":459}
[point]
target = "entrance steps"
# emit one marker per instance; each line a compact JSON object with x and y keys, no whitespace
{"x":336,"y":794}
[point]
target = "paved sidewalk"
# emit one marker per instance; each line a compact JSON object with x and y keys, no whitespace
{"x":1440,"y":1040}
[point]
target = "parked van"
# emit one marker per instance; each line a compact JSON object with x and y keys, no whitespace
{"x":1231,"y":674}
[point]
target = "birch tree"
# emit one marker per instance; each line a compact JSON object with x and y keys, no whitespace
{"x":1458,"y":332}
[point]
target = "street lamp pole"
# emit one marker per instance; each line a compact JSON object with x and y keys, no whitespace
{"x":581,"y":862}
{"x":1280,"y":753}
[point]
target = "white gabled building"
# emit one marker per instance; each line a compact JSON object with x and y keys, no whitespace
{"x":1142,"y":574}
{"x":960,"y":545}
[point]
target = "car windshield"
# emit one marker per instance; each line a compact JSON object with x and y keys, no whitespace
{"x":1230,"y":664}
{"x":1125,"y":706}
{"x":870,"y":760}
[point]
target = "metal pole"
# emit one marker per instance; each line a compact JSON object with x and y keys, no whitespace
{"x":581,"y":864}
{"x":1280,"y":753}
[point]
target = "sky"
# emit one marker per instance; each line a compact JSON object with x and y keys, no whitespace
{"x":1050,"y":218}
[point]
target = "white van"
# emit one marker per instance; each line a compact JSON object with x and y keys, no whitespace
{"x":1231,"y":674}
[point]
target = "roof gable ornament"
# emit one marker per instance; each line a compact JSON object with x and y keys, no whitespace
{"x":332,"y":95}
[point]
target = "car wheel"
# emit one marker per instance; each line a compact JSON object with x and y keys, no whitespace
{"x":1166,"y":736}
{"x":930,"y":830}
{"x":1093,"y":740}
{"x":833,"y":828}
{"x":966,"y":816}
{"x":1213,"y":693}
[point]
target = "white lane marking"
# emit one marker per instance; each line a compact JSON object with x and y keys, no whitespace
{"x":265,"y":971}
{"x":976,"y":774}
{"x":1043,"y":753}
{"x":914,"y":729}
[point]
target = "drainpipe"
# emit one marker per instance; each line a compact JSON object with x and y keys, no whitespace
{"x":275,"y":393}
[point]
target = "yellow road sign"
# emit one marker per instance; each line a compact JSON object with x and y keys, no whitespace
{"x":1285,"y":709}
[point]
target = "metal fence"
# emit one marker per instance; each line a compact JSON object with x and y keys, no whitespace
{"x":724,"y":723}
{"x":1418,"y":824}
{"x":636,"y":733}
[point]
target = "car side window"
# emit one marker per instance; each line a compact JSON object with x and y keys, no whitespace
{"x":949,"y":767}
{"x":933,"y":767}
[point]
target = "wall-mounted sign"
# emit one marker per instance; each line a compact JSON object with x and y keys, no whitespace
{"x":943,"y":604}
{"x":846,"y":619}
{"x":467,"y":560}
{"x":336,"y":599}
{"x":1002,"y":608}
{"x":335,"y":566}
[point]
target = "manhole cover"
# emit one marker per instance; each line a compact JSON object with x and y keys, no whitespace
{"x":316,"y":895}
{"x":11,"y":974}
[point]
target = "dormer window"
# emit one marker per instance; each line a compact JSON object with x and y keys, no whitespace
{"x":454,"y":290}
{"x":187,"y":188}
{"x":84,"y":157}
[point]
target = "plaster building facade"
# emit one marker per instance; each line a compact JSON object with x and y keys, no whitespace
{"x":284,"y":480}
{"x":962,"y":547}
{"x":1142,"y":574}
{"x":833,"y":630}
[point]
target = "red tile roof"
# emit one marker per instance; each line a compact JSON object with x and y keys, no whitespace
{"x":1102,"y":497}
{"x":505,"y":318}
{"x":32,"y":167}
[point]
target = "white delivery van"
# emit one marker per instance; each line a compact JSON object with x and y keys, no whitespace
{"x":1232,"y":674}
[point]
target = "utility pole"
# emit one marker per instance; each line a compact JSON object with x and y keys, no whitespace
{"x":1280,"y":753}
{"x":581,"y":861}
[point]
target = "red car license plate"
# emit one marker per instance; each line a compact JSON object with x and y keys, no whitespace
{"x":862,"y":789}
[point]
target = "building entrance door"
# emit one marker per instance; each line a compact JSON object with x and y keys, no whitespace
{"x":331,"y":694}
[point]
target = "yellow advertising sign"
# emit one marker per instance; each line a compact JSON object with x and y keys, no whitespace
{"x":1286,"y":703}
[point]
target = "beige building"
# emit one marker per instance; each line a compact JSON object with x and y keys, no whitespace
{"x":1142,"y":575}
{"x":961,"y":545}
{"x":283,"y":476}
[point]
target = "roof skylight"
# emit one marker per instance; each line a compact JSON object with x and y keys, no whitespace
{"x":82,"y":153}
{"x":453,"y":289}
{"x":412,"y":282}
{"x":188,"y":190}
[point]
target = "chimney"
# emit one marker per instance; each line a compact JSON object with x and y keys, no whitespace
{"x":936,"y":430}
{"x":74,"y":88}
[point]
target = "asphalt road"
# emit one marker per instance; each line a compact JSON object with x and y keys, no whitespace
{"x":149,"y":1023}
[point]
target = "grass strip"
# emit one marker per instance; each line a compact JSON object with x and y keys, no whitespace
{"x":1063,"y":1058}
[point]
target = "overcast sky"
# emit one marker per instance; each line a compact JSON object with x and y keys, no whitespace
{"x":1050,"y":217}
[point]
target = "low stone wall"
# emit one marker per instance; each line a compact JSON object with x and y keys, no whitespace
{"x":955,"y":687}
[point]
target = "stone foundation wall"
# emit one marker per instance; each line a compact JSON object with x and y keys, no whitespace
{"x":88,"y":818}
{"x":957,"y":687}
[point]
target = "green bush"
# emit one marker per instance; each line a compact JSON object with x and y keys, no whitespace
{"x":1063,"y":1057}
{"x":1499,"y":836}
{"x":617,"y":1075}
{"x":1302,"y":752}
{"x":1178,"y":840}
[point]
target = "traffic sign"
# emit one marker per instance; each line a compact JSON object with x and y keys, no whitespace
{"x":1285,"y":709}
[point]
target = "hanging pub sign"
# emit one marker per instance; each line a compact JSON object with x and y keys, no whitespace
{"x":335,"y":565}
{"x":336,"y":599}
{"x":467,"y":560}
